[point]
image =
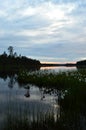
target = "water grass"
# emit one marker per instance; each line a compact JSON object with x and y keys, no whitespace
{"x":59,"y":80}
{"x":72,"y":84}
{"x":22,"y":121}
{"x":72,"y":106}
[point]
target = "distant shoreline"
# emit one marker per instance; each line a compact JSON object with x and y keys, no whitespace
{"x":53,"y":65}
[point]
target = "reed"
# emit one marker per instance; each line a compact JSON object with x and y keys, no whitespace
{"x":21,"y":120}
{"x":72,"y":106}
{"x":59,"y":80}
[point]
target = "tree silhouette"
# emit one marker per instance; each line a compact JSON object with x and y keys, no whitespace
{"x":10,"y":50}
{"x":12,"y":62}
{"x":15,"y":54}
{"x":4,"y":54}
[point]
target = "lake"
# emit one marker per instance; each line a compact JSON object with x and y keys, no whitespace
{"x":58,"y":69}
{"x":26,"y":97}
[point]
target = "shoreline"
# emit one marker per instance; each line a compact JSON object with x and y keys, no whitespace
{"x":54,"y":65}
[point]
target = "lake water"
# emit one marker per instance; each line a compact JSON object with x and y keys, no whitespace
{"x":14,"y":96}
{"x":58,"y":69}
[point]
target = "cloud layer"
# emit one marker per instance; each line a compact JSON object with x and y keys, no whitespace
{"x":52,"y":30}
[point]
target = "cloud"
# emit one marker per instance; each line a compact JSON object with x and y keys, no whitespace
{"x":46,"y":28}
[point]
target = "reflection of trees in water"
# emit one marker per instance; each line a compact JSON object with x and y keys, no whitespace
{"x":12,"y":80}
{"x":3,"y":76}
{"x":27,"y":94}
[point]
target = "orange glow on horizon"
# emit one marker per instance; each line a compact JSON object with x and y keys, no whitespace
{"x":44,"y":62}
{"x":58,"y":68}
{"x":50,"y":62}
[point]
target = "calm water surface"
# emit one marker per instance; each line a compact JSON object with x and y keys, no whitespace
{"x":58,"y":69}
{"x":14,"y":97}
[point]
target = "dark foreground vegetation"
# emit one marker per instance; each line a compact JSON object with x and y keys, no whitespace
{"x":73,"y":104}
{"x":21,"y":121}
{"x":61,"y":80}
{"x":72,"y":100}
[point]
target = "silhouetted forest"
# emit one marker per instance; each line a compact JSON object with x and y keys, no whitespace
{"x":81,"y":63}
{"x":12,"y":62}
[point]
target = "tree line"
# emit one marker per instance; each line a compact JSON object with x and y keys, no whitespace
{"x":12,"y":61}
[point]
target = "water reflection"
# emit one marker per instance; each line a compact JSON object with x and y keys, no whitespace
{"x":58,"y":68}
{"x":14,"y":97}
{"x":11,"y":81}
{"x":27,"y":94}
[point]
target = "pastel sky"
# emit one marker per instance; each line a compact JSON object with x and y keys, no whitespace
{"x":46,"y":30}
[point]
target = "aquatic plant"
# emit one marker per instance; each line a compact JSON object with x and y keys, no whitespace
{"x":72,"y":106}
{"x":59,"y":80}
{"x":24,"y":121}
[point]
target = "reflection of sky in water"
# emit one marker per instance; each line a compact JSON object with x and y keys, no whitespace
{"x":58,"y":68}
{"x":12,"y":97}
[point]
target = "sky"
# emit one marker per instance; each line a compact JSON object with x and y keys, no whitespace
{"x":46,"y":30}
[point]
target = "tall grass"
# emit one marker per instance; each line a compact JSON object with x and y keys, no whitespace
{"x":72,"y":107}
{"x":21,"y":120}
{"x":59,"y":80}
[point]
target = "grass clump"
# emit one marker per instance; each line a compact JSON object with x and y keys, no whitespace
{"x":73,"y":106}
{"x":21,"y":121}
{"x":59,"y":80}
